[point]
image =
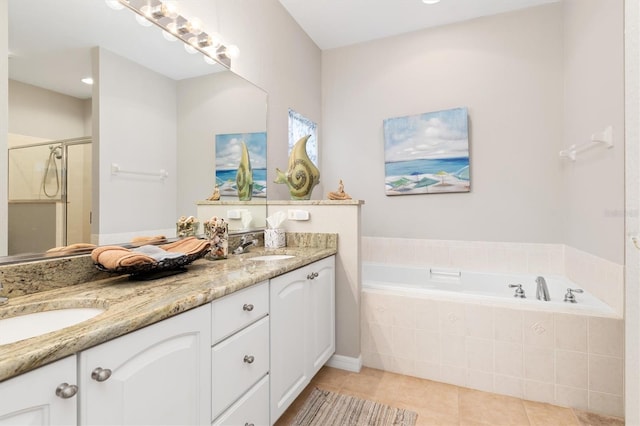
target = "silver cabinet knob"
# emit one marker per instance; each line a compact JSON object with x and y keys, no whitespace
{"x":249,"y":359}
{"x":65,"y":391}
{"x":100,"y":374}
{"x":247,"y":307}
{"x":312,"y":275}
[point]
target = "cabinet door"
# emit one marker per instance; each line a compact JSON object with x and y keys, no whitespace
{"x":30,"y":399}
{"x":288,"y":304}
{"x":158,"y":375}
{"x":322,"y":324}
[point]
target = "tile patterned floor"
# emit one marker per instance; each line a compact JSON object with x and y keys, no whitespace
{"x":443,"y":404}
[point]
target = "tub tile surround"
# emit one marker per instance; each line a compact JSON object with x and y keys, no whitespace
{"x":559,"y":358}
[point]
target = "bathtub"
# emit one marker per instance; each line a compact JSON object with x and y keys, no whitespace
{"x":483,"y":287}
{"x":467,"y":329}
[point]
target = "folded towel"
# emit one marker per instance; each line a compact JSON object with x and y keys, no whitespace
{"x":157,"y":253}
{"x":140,"y":241}
{"x":188,"y":246}
{"x":72,"y":247}
{"x":135,"y":259}
{"x":95,"y":254}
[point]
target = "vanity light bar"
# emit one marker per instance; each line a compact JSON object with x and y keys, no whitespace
{"x":166,"y":16}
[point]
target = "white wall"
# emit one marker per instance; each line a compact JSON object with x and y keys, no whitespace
{"x":632,"y":177}
{"x":219,"y":103}
{"x":509,"y":70}
{"x":280,"y":58}
{"x":136,"y":121}
{"x":594,"y":99}
{"x":43,"y":113}
{"x":4,"y":119}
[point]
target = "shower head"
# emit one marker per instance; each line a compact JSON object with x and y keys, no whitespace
{"x":57,"y":151}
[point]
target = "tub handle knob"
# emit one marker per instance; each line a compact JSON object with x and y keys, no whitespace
{"x":570,"y":297}
{"x":519,"y":291}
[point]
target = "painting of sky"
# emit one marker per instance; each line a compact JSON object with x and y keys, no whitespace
{"x":228,"y":151}
{"x":427,"y":153}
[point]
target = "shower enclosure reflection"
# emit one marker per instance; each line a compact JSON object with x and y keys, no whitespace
{"x":49,"y":194}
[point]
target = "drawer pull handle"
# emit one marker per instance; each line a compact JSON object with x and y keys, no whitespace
{"x":248,"y":424}
{"x":312,"y":275}
{"x":100,"y":374}
{"x":65,"y":390}
{"x":249,"y":359}
{"x":247,"y":307}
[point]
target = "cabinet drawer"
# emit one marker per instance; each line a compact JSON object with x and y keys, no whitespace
{"x":251,"y":409}
{"x":235,"y":311}
{"x":237,"y":363}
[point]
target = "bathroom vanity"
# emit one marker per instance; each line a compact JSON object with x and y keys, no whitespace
{"x":212,"y":345}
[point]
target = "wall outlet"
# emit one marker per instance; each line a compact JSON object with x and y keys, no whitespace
{"x":297,"y":215}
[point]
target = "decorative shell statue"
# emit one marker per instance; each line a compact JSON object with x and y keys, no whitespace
{"x":302,"y":175}
{"x":244,"y":176}
{"x":339,"y":194}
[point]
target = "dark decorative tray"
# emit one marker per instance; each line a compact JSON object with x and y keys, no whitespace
{"x":156,"y":270}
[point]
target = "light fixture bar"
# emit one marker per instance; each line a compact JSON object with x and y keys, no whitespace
{"x":158,"y":13}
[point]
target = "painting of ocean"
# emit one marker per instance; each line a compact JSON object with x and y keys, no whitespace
{"x":427,"y":153}
{"x":228,"y":150}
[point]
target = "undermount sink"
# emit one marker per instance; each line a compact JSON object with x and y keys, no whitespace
{"x":269,"y":257}
{"x":25,"y":326}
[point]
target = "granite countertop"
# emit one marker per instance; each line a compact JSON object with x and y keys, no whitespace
{"x":130,"y":305}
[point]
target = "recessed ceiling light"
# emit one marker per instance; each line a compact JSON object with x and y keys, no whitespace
{"x":430,"y":1}
{"x":87,"y":80}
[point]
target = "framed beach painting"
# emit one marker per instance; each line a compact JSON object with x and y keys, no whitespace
{"x":427,"y":153}
{"x":228,"y":151}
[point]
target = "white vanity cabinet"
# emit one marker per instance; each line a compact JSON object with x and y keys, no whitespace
{"x":44,"y":396}
{"x":302,"y":329}
{"x":240,"y":357}
{"x":158,"y":375}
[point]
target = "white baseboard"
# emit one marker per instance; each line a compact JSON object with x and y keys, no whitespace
{"x":345,"y":363}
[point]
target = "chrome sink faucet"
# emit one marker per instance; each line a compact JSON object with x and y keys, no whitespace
{"x":246,"y":241}
{"x":542,"y":291}
{"x":3,"y":299}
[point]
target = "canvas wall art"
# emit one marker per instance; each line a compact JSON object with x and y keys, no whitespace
{"x":427,"y":153}
{"x":228,"y":151}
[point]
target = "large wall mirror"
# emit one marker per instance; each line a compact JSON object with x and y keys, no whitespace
{"x":125,"y":156}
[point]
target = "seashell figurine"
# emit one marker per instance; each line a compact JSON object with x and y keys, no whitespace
{"x":244,"y":176}
{"x":302,"y":175}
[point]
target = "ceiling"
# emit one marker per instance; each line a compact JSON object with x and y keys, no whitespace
{"x":338,"y":23}
{"x":51,"y":48}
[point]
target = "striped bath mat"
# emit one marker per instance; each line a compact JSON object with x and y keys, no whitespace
{"x":324,"y":408}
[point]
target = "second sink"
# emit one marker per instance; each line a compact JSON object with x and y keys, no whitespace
{"x":25,"y":326}
{"x":269,"y":257}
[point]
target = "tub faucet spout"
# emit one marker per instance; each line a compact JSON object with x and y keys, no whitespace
{"x":542,"y":291}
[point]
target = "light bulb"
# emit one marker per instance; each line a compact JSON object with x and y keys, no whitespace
{"x":190,"y":49}
{"x":142,"y":20}
{"x":196,"y":26}
{"x":232,"y":51}
{"x":169,"y":36}
{"x":210,"y":60}
{"x":171,"y":9}
{"x":216,"y":40}
{"x":430,"y":1}
{"x":114,"y":4}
